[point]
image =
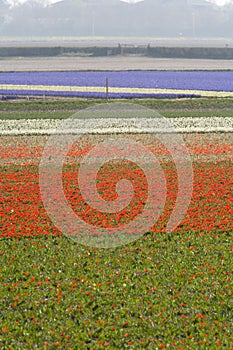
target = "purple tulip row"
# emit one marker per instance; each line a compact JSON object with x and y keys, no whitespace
{"x":183,"y":80}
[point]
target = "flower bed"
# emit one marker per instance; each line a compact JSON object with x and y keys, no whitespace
{"x":213,"y":181}
{"x":180,"y":124}
{"x":182,"y":80}
{"x":123,"y":84}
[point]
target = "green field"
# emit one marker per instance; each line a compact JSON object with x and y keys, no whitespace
{"x":63,"y":108}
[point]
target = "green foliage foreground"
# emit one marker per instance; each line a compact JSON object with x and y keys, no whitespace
{"x":170,"y":291}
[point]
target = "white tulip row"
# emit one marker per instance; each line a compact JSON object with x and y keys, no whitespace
{"x":110,"y":125}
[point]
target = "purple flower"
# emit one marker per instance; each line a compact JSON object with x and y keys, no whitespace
{"x":185,"y":80}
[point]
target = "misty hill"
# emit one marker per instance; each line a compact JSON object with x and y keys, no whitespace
{"x":149,"y":18}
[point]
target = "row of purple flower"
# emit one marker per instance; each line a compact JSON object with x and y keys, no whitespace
{"x":12,"y":94}
{"x":183,"y":80}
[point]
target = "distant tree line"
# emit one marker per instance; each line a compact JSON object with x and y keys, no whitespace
{"x":158,"y":52}
{"x":149,"y":18}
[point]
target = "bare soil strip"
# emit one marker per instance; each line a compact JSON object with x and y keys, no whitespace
{"x":111,"y":63}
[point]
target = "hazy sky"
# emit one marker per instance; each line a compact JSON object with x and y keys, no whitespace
{"x":221,"y":2}
{"x":17,"y":2}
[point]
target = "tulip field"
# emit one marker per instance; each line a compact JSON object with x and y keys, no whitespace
{"x":164,"y":290}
